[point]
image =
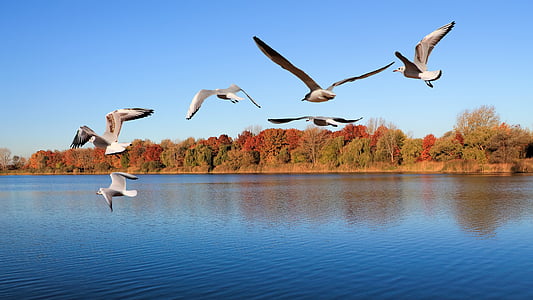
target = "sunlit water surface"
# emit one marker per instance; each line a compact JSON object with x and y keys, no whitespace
{"x":378,"y":236}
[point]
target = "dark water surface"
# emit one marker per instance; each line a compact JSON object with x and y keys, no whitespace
{"x":379,"y":236}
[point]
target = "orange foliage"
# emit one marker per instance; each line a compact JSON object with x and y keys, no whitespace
{"x":427,"y":143}
{"x":350,"y":132}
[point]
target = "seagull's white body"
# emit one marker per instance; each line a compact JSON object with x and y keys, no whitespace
{"x":109,"y":140}
{"x":117,"y":188}
{"x":225,"y":94}
{"x":316,"y":94}
{"x":319,"y":121}
{"x":418,"y":68}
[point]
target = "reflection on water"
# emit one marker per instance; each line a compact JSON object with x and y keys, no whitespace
{"x":268,"y":236}
{"x":482,"y":204}
{"x":479,"y":204}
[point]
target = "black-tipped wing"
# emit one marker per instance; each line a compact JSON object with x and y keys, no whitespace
{"x":83,"y":135}
{"x":197,"y":102}
{"x":358,"y":77}
{"x":285,"y":120}
{"x":252,"y":100}
{"x":115,"y":119}
{"x":285,"y":64}
{"x":425,"y":46}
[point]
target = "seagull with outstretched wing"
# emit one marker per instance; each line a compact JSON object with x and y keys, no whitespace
{"x":225,"y":94}
{"x":319,"y":121}
{"x":117,"y":187}
{"x":418,"y":68}
{"x":109,"y":140}
{"x":316,"y":94}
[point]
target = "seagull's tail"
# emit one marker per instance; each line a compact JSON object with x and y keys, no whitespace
{"x":131,"y":193}
{"x":116,"y":148}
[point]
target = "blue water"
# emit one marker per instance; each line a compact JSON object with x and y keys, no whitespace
{"x":357,"y":236}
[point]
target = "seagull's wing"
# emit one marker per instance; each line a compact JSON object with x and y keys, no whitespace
{"x":425,"y":46}
{"x":83,"y":135}
{"x":115,"y":119}
{"x":253,"y":101}
{"x":285,"y":64}
{"x":118,"y":180}
{"x":197,"y":101}
{"x":108,"y":198}
{"x":409,"y":66}
{"x":342,"y":120}
{"x":231,"y":89}
{"x":285,"y":120}
{"x":358,"y":77}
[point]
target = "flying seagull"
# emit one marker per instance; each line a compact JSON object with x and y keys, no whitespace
{"x":317,"y":94}
{"x":418,"y":68}
{"x":319,"y":121}
{"x":225,"y":94}
{"x":117,"y":187}
{"x":109,"y":140}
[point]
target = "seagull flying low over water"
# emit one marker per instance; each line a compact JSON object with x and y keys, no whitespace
{"x":319,"y":121}
{"x":418,"y":68}
{"x":226,"y":94}
{"x":317,"y":94}
{"x":117,"y":187}
{"x":109,"y":140}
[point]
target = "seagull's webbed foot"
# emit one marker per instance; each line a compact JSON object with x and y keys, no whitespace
{"x":429,"y":83}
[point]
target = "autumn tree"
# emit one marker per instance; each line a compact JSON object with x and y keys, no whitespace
{"x":173,"y":155}
{"x":389,"y":144}
{"x":271,"y":142}
{"x":373,"y":124}
{"x":350,"y":132}
{"x":5,"y":158}
{"x":199,"y":155}
{"x":330,"y":152}
{"x":508,"y":144}
{"x":135,"y":153}
{"x":357,"y":153}
{"x":17,"y":162}
{"x":293,"y":137}
{"x":242,"y":140}
{"x":411,"y":151}
{"x":427,"y":144}
{"x":312,"y":141}
{"x":477,"y":127}
{"x":446,"y":148}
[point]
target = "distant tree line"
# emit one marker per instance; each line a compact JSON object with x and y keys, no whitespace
{"x":477,"y":139}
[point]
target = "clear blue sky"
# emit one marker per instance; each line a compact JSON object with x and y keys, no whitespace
{"x":64,"y":64}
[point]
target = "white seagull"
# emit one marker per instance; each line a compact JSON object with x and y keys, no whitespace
{"x":117,"y":187}
{"x":109,"y":140}
{"x":319,"y":121}
{"x":418,"y":68}
{"x":317,"y":94}
{"x":225,"y":94}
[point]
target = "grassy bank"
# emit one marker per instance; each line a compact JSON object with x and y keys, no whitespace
{"x":450,"y":167}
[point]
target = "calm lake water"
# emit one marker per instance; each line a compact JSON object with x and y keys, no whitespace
{"x":357,"y":236}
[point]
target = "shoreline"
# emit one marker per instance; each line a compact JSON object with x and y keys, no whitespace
{"x":450,"y":167}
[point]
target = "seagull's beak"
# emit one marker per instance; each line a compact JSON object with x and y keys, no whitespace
{"x":395,"y":70}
